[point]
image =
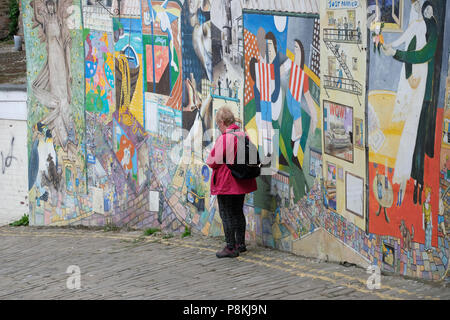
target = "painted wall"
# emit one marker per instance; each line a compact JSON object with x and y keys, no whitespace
{"x":13,"y":154}
{"x":121,"y":119}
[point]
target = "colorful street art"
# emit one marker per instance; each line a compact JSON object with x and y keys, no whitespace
{"x":228,"y":60}
{"x":405,"y":135}
{"x":281,"y":92}
{"x":343,"y":59}
{"x":129,"y":69}
{"x":99,"y":73}
{"x":111,"y":90}
{"x":57,"y":168}
{"x":405,"y":131}
{"x":162,"y":49}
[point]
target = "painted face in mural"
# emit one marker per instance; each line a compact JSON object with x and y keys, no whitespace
{"x":194,"y":5}
{"x":51,"y":7}
{"x":271,"y":51}
{"x":416,"y":5}
{"x":298,"y":51}
{"x":428,"y":12}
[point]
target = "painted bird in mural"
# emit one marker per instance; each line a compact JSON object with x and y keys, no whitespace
{"x":53,"y":177}
{"x":43,"y":148}
{"x":166,"y":18}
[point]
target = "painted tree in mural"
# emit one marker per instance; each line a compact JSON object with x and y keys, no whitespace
{"x":52,"y":85}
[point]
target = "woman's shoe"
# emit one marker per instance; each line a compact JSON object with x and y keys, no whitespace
{"x":227,"y":253}
{"x":241,"y":248}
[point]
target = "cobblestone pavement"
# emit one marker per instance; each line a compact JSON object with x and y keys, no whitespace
{"x":129,"y":265}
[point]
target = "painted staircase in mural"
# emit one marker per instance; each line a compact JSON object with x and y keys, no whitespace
{"x":332,"y":37}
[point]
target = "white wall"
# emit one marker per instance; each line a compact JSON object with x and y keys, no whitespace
{"x":13,"y":155}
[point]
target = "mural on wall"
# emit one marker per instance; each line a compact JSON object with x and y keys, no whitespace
{"x":282,"y":93}
{"x":129,"y":72}
{"x":343,"y":67}
{"x":444,"y":201}
{"x":228,"y":60}
{"x":162,"y":49}
{"x":197,"y":73}
{"x":404,"y":134}
{"x":338,"y":130}
{"x":99,"y":73}
{"x":57,"y":168}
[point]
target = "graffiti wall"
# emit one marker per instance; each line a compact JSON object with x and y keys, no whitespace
{"x":346,"y":101}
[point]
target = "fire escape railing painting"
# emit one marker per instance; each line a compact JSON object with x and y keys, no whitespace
{"x":332,"y":38}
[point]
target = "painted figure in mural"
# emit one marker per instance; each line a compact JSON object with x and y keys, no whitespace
{"x":340,"y":74}
{"x":407,"y":236}
{"x":42,"y":149}
{"x":425,"y":131}
{"x":200,"y":20}
{"x":126,"y":78}
{"x":230,"y":191}
{"x":52,"y":86}
{"x":427,"y":223}
{"x":441,"y":218}
{"x":203,"y":116}
{"x":346,"y":28}
{"x":298,"y":86}
{"x":165,"y":18}
{"x":266,"y":75}
{"x":410,"y":94}
{"x":339,"y":26}
{"x":125,"y":154}
{"x":358,"y":31}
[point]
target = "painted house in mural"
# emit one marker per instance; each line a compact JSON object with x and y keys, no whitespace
{"x":347,"y":102}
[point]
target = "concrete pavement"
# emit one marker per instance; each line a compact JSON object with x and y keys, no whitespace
{"x":129,"y":265}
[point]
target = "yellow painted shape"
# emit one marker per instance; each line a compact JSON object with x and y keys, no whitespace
{"x":252,"y":130}
{"x":300,"y":156}
{"x":205,"y":230}
{"x":290,"y":54}
{"x":312,"y":75}
{"x":383,"y":103}
{"x":137,"y":103}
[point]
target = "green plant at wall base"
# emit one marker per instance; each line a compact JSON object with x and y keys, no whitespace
{"x":22,"y":222}
{"x":111,"y":227}
{"x":186,"y":233}
{"x":13,"y":18}
{"x":151,"y":231}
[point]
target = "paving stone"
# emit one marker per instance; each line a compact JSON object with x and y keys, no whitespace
{"x":114,"y":266}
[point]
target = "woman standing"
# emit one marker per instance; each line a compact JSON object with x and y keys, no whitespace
{"x":230,"y":191}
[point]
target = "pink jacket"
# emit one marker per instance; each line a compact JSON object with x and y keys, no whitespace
{"x":222,"y":181}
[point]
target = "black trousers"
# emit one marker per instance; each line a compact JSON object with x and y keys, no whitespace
{"x":231,"y":209}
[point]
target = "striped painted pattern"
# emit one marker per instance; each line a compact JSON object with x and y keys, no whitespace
{"x":296,"y":81}
{"x":264,"y":74}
